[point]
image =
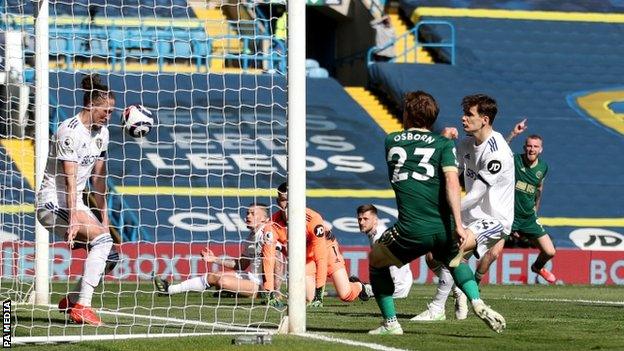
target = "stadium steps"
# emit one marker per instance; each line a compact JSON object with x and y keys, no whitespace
{"x":375,"y":108}
{"x":217,"y":26}
{"x":22,"y":152}
{"x":420,"y":55}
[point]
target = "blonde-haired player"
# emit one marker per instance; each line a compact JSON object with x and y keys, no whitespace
{"x":248,"y":274}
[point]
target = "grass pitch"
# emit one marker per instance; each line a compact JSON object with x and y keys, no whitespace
{"x":538,"y":318}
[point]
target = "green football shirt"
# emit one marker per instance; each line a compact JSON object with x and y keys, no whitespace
{"x":416,"y":161}
{"x":528,"y":179}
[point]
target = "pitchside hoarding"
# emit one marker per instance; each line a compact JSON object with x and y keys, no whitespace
{"x":179,"y":261}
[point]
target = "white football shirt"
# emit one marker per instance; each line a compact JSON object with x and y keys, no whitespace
{"x":491,"y":162}
{"x":253,"y":249}
{"x":72,"y":142}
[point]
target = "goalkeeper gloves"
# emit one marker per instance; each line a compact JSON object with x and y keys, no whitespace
{"x":272,"y":299}
{"x":318,"y":297}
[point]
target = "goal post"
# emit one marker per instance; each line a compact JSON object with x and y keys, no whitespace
{"x":42,"y":137}
{"x":229,"y":108}
{"x":296,"y":164}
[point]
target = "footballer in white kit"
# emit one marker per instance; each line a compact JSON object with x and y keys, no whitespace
{"x":370,"y":225}
{"x":488,"y":207}
{"x":78,"y":154}
{"x":75,"y":143}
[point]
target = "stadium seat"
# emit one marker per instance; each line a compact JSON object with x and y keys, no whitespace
{"x":317,"y":72}
{"x":311,"y":63}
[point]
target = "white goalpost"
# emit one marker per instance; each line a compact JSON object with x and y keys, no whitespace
{"x":227,"y":95}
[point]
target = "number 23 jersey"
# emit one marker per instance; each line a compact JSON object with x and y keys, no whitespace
{"x":417,"y":160}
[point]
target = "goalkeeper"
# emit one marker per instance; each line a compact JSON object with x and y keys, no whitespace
{"x":323,"y":257}
{"x":247,"y":275}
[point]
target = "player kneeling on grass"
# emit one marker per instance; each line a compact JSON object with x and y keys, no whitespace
{"x":323,"y":257}
{"x":258,"y":255}
{"x":423,"y":172}
{"x":78,"y":153}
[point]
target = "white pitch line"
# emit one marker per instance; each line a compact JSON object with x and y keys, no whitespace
{"x":593,"y":302}
{"x":185,"y":322}
{"x":349,"y":342}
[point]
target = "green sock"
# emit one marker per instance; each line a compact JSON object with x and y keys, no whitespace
{"x":383,"y":287}
{"x":464,"y":278}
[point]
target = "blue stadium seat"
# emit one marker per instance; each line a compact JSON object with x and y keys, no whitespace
{"x":311,"y":63}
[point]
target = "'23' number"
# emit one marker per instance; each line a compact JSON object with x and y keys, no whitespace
{"x":426,"y":154}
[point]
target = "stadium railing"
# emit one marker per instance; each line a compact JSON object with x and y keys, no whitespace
{"x":449,"y":43}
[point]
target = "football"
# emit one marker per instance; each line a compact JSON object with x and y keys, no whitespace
{"x":137,"y":120}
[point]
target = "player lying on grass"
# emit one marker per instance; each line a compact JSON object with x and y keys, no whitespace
{"x":247,"y":275}
{"x":323,"y":257}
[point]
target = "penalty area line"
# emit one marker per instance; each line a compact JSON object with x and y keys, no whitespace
{"x":348,"y":342}
{"x":591,"y":302}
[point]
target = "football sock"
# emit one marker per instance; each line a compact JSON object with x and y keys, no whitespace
{"x":94,"y":266}
{"x":464,"y":278}
{"x":193,"y":284}
{"x":383,"y":288}
{"x":478,"y":276}
{"x":445,"y":284}
{"x":74,"y":295}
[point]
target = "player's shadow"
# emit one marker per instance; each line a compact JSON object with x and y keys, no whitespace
{"x":336,"y":329}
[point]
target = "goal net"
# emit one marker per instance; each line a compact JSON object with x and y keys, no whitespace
{"x":213,"y":75}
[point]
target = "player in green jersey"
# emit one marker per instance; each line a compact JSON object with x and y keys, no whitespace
{"x":422,"y":167}
{"x":531,"y":172}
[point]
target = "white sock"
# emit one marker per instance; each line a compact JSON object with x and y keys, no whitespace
{"x":445,"y":284}
{"x":94,"y":267}
{"x":193,"y":284}
{"x":457,"y":291}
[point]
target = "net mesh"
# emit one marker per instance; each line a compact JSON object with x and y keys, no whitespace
{"x":212,"y":74}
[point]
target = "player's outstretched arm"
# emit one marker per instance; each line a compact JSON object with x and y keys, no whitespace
{"x":518,"y":129}
{"x":209,"y":257}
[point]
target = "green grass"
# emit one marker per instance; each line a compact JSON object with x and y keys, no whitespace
{"x":531,"y":325}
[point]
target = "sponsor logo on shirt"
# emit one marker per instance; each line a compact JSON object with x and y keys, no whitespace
{"x":319,"y":230}
{"x":494,"y":166}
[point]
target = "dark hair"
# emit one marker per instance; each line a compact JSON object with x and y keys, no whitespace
{"x":486,"y":106}
{"x":535,"y":136}
{"x":420,"y":110}
{"x":365,"y":208}
{"x":94,"y":89}
{"x":282,"y":188}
